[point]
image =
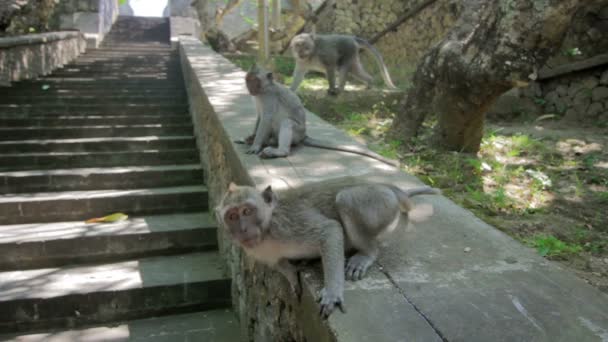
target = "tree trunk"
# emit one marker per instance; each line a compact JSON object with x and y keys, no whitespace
{"x":495,"y":46}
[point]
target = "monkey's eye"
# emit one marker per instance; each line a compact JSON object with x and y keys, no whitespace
{"x":247,"y":211}
{"x":233,"y":216}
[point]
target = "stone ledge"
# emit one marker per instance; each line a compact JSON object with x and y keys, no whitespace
{"x":30,"y":56}
{"x":39,"y":38}
{"x":424,"y":287}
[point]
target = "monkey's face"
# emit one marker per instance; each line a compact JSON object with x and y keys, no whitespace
{"x":303,"y":46}
{"x":256,"y":81}
{"x":244,"y":224}
{"x":246,"y":214}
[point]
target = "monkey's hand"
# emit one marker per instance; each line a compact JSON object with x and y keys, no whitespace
{"x":246,"y":141}
{"x":329,"y":301}
{"x":254,"y":149}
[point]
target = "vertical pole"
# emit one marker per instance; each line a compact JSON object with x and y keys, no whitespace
{"x":276,"y":14}
{"x":263,"y":51}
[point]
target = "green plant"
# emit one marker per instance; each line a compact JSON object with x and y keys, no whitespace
{"x":550,"y":246}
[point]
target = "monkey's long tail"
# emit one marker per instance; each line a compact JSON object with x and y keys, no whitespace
{"x":405,"y":195}
{"x":312,"y":142}
{"x":383,"y":70}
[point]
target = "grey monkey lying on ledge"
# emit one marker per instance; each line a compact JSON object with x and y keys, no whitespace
{"x":323,"y":219}
{"x":329,"y":53}
{"x":281,"y":119}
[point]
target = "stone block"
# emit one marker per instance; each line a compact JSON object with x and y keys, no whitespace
{"x":604,"y":78}
{"x":562,"y":90}
{"x":599,"y":93}
{"x":595,"y":109}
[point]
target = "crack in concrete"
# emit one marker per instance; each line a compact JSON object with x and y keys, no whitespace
{"x":422,"y":314}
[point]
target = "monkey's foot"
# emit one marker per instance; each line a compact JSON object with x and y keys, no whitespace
{"x":329,"y":301}
{"x":254,"y":150}
{"x":357,"y":266}
{"x":271,"y":152}
{"x":332,"y":92}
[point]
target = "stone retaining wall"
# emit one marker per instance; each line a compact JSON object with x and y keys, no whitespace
{"x":94,"y":18}
{"x":451,"y":277}
{"x":580,"y":96}
{"x":30,"y":56}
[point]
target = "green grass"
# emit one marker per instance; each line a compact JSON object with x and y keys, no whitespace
{"x":550,"y":246}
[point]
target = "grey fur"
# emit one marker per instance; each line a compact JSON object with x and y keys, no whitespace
{"x":323,"y":219}
{"x":330,"y":54}
{"x":281,"y":123}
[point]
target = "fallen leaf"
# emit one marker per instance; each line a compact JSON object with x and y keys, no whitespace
{"x":109,"y":218}
{"x":45,"y":87}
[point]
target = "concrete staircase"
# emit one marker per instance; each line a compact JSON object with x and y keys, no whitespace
{"x":108,"y":133}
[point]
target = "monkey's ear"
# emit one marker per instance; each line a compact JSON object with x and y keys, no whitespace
{"x":268,"y":195}
{"x":232,"y":187}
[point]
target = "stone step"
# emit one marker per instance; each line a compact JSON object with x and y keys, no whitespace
{"x":108,"y":108}
{"x":58,"y":91}
{"x":90,"y":99}
{"x":82,"y":205}
{"x":127,"y":177}
{"x":111,"y":46}
{"x":78,"y":295}
{"x":122,"y":74}
{"x":104,"y":144}
{"x":91,"y":83}
{"x":137,"y":54}
{"x":62,"y":160}
{"x":218,"y":325}
{"x":67,"y":132}
{"x":117,"y":69}
{"x":56,"y":244}
{"x":26,"y":120}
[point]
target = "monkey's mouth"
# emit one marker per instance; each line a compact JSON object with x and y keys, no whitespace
{"x":249,"y":242}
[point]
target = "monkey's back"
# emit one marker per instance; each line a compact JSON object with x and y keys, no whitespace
{"x":320,"y":195}
{"x":335,"y":48}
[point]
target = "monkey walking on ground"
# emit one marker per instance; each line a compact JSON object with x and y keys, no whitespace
{"x":324,"y":220}
{"x":330,"y":54}
{"x":281,"y":120}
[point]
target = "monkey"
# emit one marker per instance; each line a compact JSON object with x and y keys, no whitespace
{"x":281,"y":121}
{"x":325,"y":219}
{"x":331,"y":53}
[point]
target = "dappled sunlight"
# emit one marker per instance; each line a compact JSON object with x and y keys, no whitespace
{"x":68,"y":230}
{"x":45,"y":283}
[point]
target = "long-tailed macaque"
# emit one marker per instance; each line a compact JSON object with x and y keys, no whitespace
{"x":281,"y":121}
{"x":331,"y":54}
{"x":323,"y":219}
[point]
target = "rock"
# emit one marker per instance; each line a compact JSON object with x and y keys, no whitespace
{"x":605,"y":260}
{"x":467,"y":249}
{"x":599,"y":93}
{"x":574,"y":88}
{"x":603,"y":13}
{"x":604,"y":78}
{"x":572,"y":115}
{"x":590,"y":82}
{"x":595,"y":109}
{"x":562,"y":90}
{"x":551,"y":97}
{"x":594,"y":34}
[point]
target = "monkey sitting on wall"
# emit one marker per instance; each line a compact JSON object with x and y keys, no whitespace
{"x":323,"y":219}
{"x":281,"y":121}
{"x":330,"y":54}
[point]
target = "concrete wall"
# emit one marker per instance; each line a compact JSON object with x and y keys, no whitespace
{"x":25,"y":57}
{"x":452,"y":277}
{"x":94,"y":18}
